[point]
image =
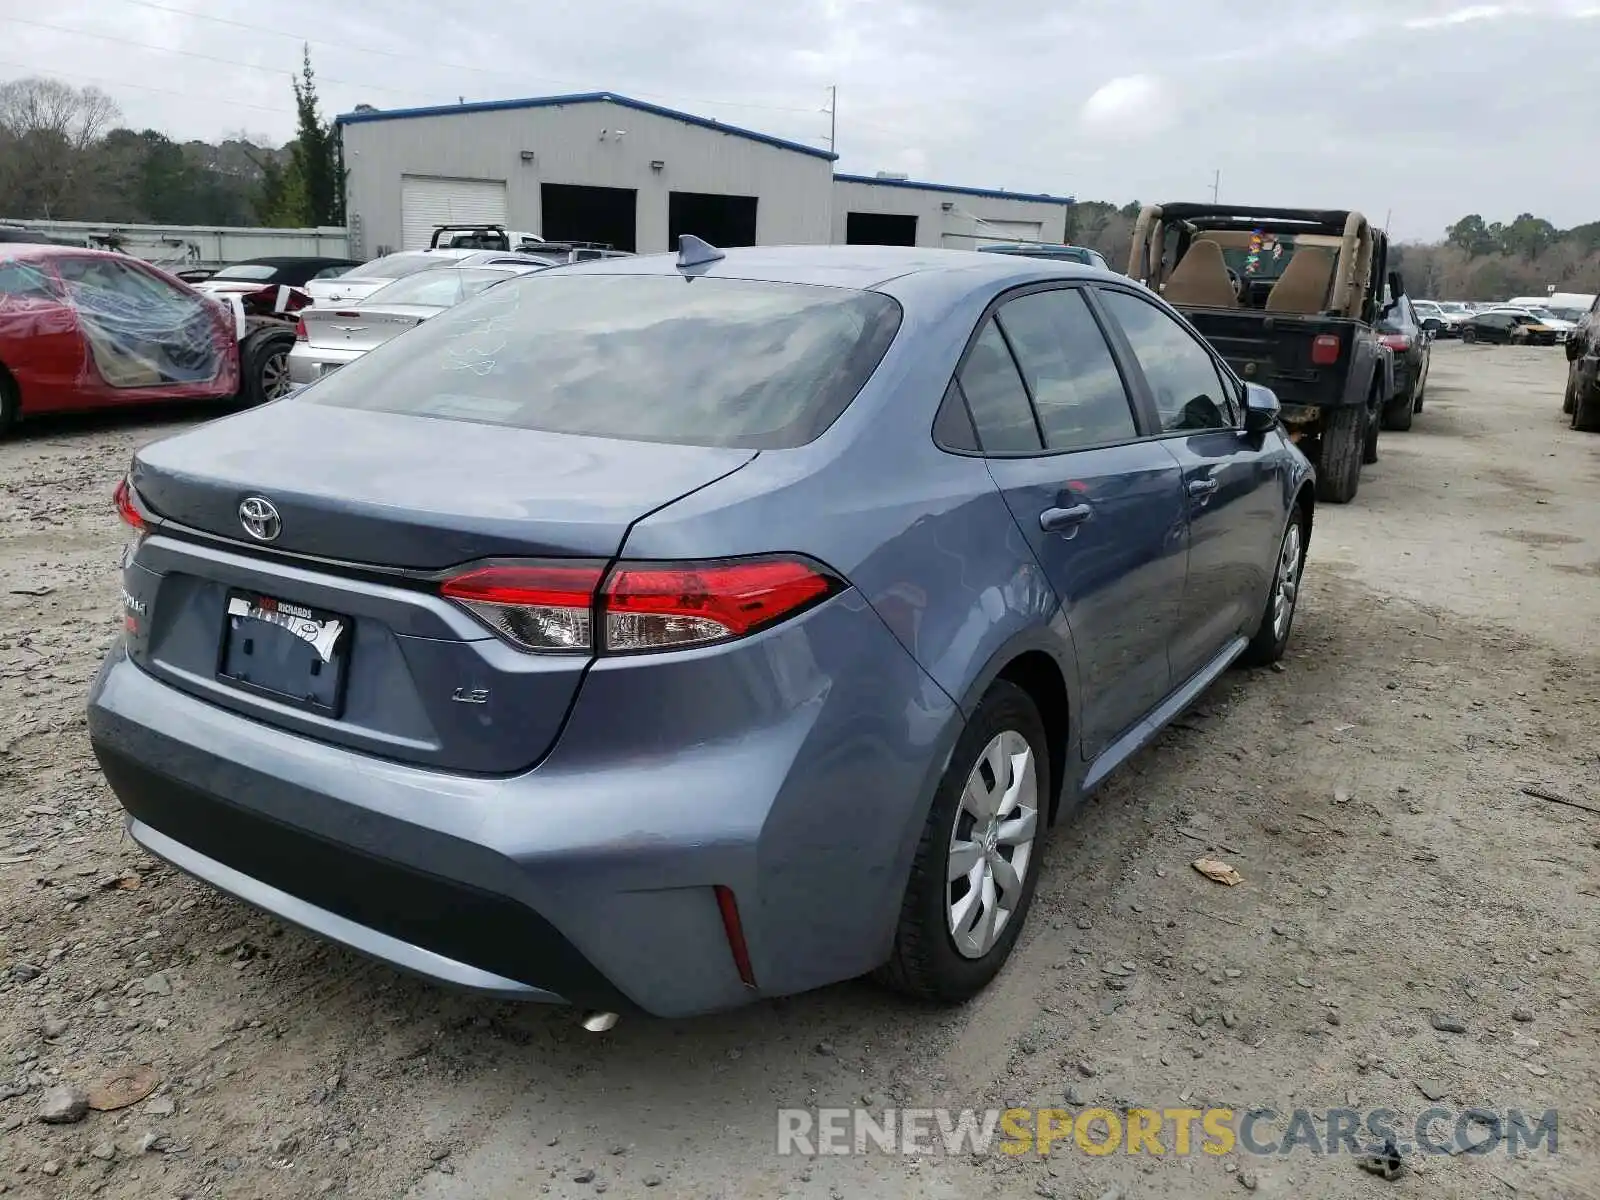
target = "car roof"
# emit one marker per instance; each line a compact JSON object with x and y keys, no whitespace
{"x":44,"y":250}
{"x":861,"y":267}
{"x":289,"y":260}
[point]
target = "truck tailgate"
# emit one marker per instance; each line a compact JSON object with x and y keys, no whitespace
{"x":1275,"y":350}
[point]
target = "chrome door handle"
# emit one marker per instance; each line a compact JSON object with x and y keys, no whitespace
{"x":1202,"y":487}
{"x":1063,"y":520}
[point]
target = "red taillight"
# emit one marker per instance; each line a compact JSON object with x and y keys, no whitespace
{"x":126,"y":508}
{"x":657,"y":606}
{"x":547,"y":607}
{"x":729,"y":907}
{"x":1395,"y":341}
{"x":1324,"y":350}
{"x":551,"y":607}
{"x":300,"y":334}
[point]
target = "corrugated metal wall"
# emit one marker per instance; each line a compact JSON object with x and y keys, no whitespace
{"x":951,"y":219}
{"x":597,"y":144}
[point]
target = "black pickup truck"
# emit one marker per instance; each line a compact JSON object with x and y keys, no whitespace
{"x":1289,"y":297}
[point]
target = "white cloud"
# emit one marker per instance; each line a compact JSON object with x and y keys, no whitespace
{"x":1127,"y":105}
{"x":1462,"y":16}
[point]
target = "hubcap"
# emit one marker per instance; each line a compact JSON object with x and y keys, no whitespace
{"x":991,"y":846}
{"x":1288,"y":582}
{"x":275,"y":375}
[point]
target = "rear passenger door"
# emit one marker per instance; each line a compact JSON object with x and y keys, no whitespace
{"x":1100,"y":503}
{"x":1232,"y":497}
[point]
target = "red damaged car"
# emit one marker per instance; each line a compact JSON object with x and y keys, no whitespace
{"x":88,"y":329}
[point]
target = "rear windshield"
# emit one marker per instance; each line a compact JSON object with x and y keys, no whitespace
{"x":396,"y":266}
{"x":702,"y":362}
{"x":243,"y":271}
{"x":441,"y":287}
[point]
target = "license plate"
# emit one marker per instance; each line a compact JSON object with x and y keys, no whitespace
{"x":286,"y":651}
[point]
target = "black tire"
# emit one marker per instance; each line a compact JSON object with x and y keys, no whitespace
{"x":1469,"y":334}
{"x":264,"y":365}
{"x":925,"y":962}
{"x":1269,"y":643}
{"x":1397,"y":413}
{"x":1344,"y":437}
{"x":1586,"y":408}
{"x":1374,"y":422}
{"x":1570,"y":396}
{"x":1416,"y":401}
{"x":10,"y":402}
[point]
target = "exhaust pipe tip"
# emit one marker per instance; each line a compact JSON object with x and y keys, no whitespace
{"x":600,"y":1022}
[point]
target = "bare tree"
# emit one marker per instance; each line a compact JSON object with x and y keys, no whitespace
{"x":48,"y":130}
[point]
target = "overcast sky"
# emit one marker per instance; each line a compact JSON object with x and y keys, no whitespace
{"x":1431,"y":109}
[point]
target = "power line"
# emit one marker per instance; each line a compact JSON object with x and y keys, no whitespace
{"x":451,"y":66}
{"x":209,"y":98}
{"x":232,"y":62}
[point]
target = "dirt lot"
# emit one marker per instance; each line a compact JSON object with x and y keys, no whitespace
{"x":1369,"y":793}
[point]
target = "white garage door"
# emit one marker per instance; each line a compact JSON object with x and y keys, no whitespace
{"x":426,"y":201}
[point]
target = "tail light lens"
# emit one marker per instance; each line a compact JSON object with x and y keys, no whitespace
{"x":568,"y":607}
{"x":300,"y":334}
{"x":1324,"y":350}
{"x":127,"y":508}
{"x":1395,"y":341}
{"x":543,"y":607}
{"x":661,"y":606}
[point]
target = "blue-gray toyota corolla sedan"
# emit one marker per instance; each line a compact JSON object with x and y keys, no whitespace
{"x":660,"y":633}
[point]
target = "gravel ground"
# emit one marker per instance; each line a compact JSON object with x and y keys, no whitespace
{"x":1396,"y":879}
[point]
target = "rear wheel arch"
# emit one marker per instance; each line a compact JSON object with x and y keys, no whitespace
{"x":10,"y":399}
{"x":1038,"y":674}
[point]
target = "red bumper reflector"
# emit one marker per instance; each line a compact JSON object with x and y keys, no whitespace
{"x":735,"y":931}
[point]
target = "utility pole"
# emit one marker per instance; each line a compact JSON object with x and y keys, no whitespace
{"x":833,"y":118}
{"x":1216,"y":184}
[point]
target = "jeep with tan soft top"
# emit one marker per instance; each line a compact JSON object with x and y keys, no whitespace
{"x":1289,"y":297}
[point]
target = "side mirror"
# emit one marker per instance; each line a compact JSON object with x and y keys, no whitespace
{"x":1261,"y":409}
{"x":1574,"y":348}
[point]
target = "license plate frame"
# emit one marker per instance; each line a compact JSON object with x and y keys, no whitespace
{"x":266,"y":642}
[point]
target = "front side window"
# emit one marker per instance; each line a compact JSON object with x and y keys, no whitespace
{"x":1183,"y":377}
{"x":1077,"y":390}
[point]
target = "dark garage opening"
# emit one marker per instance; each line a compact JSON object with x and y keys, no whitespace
{"x":720,"y":220}
{"x":573,"y":213}
{"x":880,"y":229}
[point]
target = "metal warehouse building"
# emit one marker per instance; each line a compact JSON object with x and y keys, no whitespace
{"x":891,"y":211}
{"x":596,"y":167}
{"x":599,"y":167}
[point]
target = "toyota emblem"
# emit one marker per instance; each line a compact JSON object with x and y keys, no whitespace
{"x":260,"y":519}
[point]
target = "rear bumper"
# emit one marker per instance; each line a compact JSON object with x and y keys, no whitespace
{"x":588,"y":880}
{"x":307,"y":365}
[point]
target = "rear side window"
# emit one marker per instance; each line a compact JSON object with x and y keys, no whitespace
{"x":996,"y":397}
{"x":1077,"y":390}
{"x":701,"y":362}
{"x":24,"y":281}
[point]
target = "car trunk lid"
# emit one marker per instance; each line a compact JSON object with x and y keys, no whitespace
{"x":361,"y":328}
{"x":414,"y":492}
{"x":350,"y":641}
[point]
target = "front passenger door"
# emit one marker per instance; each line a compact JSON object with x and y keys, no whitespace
{"x":1099,"y":503}
{"x":1235,"y":508}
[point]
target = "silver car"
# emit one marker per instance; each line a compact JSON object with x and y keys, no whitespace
{"x":327,"y":338}
{"x":360,"y":282}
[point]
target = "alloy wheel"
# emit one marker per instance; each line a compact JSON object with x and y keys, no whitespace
{"x":1288,"y":582}
{"x":275,"y":374}
{"x":992,"y":843}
